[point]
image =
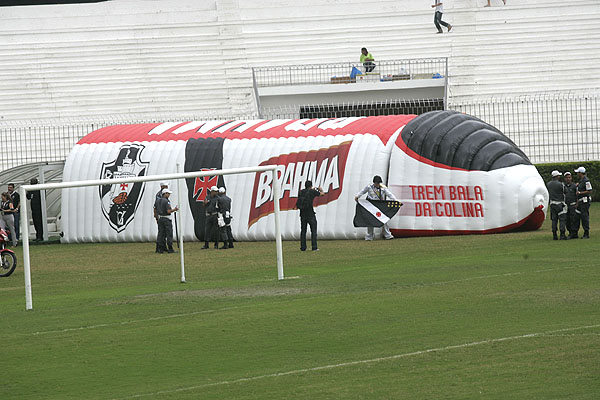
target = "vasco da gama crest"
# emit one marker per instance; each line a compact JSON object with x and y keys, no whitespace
{"x":120,"y":201}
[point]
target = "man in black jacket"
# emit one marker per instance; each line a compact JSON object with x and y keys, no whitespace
{"x":307,"y":214}
{"x":225,"y":211}
{"x":36,"y":211}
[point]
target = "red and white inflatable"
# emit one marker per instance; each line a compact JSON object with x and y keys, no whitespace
{"x":454,"y":173}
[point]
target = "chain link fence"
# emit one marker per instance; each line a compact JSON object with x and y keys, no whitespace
{"x":548,"y":128}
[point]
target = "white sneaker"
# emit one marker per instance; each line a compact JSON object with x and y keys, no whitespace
{"x":367,"y":238}
{"x":389,"y":238}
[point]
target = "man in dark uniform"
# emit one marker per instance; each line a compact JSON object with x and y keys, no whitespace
{"x":584,"y":198}
{"x":16,"y":200}
{"x":558,"y":207}
{"x":307,"y":214}
{"x":225,"y":210}
{"x":36,"y":211}
{"x":163,"y":185}
{"x":211,"y":224}
{"x":571,"y":200}
{"x":165,"y":226}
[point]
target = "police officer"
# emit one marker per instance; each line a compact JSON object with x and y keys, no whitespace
{"x":225,"y":210}
{"x":211,"y":224}
{"x":377,"y":191}
{"x":558,"y":207}
{"x":159,"y":194}
{"x":571,"y":200}
{"x":584,"y":198}
{"x":165,"y":226}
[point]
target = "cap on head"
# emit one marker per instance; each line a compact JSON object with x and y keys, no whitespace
{"x":165,"y":191}
{"x":221,"y":190}
{"x":567,"y":173}
{"x":556,"y":173}
{"x":377,"y":179}
{"x":580,"y":170}
{"x":214,"y":189}
{"x":165,"y":184}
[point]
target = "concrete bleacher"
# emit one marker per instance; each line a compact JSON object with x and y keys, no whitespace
{"x":192,"y":57}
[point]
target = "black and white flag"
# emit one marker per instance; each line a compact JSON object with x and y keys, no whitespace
{"x":375,"y":212}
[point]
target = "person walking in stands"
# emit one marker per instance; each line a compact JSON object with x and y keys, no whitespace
{"x":489,"y":3}
{"x":225,"y":210}
{"x":584,"y":198}
{"x":159,"y":194}
{"x":36,"y":211}
{"x":377,"y":191}
{"x":304,"y":203}
{"x":558,"y":207}
{"x":211,"y":221}
{"x":437,"y":17}
{"x":367,"y":59}
{"x":571,"y":200}
{"x":16,"y":200}
{"x":8,"y":220}
{"x":165,"y":225}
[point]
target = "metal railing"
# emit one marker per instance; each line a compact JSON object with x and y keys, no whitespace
{"x":328,"y":73}
{"x":553,"y":127}
{"x":550,"y":127}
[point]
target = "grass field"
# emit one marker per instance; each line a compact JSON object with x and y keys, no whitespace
{"x":513,"y":316}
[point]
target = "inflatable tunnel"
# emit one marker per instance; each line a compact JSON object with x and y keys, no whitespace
{"x":454,"y":173}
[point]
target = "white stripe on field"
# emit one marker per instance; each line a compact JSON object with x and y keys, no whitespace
{"x":358,"y":362}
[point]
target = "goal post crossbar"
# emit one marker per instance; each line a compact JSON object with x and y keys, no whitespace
{"x":163,"y":177}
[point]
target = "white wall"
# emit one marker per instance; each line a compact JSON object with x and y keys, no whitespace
{"x":188,"y":57}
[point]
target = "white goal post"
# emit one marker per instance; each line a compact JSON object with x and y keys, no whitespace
{"x":176,"y":176}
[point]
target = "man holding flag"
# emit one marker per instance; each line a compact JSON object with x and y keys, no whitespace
{"x":379,"y":207}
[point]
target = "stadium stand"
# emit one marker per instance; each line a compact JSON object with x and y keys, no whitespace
{"x":184,"y":57}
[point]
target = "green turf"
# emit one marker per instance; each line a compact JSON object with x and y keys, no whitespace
{"x":513,"y":316}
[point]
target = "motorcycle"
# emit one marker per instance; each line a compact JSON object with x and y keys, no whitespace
{"x":8,"y":259}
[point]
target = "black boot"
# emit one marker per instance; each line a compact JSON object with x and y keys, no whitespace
{"x":563,"y":236}
{"x":156,"y":251}
{"x":586,"y":235}
{"x":554,"y":236}
{"x":205,"y":246}
{"x":170,"y":250}
{"x":231,"y":244}
{"x":225,"y":246}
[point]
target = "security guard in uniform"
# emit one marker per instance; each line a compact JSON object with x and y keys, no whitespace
{"x":211,"y":211}
{"x":225,"y":209}
{"x":571,"y":200}
{"x":584,"y":198}
{"x":558,"y":207}
{"x":165,"y":226}
{"x":159,"y":194}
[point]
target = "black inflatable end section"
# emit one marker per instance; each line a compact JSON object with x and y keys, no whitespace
{"x":461,"y":141}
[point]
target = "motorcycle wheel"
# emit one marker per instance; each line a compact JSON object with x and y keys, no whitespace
{"x":8,"y":262}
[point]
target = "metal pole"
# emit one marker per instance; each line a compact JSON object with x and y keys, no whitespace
{"x":42,"y":175}
{"x":179,"y":199}
{"x":25,"y":235}
{"x":277,"y":210}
